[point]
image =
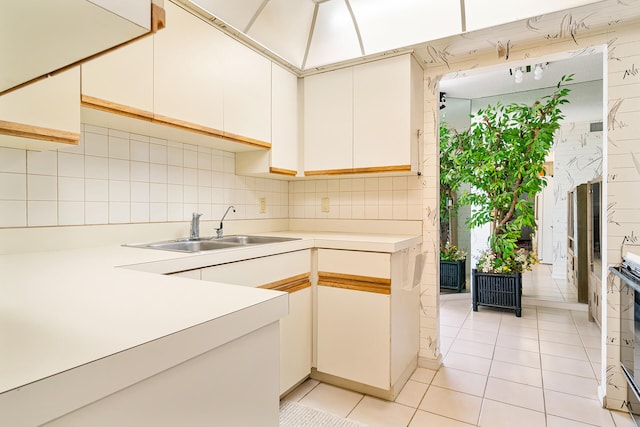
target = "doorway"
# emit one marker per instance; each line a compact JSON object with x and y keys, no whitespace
{"x":575,"y":158}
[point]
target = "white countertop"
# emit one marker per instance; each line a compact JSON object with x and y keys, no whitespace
{"x":63,"y":309}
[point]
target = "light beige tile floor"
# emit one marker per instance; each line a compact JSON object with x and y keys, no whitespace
{"x":540,"y":370}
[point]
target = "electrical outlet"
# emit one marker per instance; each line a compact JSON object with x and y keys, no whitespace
{"x":325,"y":204}
{"x":263,"y":205}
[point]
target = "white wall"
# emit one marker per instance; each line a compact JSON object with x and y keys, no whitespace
{"x":577,"y":159}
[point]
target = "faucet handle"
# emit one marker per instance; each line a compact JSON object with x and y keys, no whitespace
{"x":196,"y":215}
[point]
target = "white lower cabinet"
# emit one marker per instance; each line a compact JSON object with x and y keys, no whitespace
{"x":353,"y":335}
{"x":230,"y":385}
{"x":367,"y":320}
{"x":286,"y":272}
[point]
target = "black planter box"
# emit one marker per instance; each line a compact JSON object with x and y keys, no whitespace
{"x":497,"y":290}
{"x":453,"y":275}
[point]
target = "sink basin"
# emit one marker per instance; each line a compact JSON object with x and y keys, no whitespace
{"x":254,"y":240}
{"x":210,"y":244}
{"x":189,"y":245}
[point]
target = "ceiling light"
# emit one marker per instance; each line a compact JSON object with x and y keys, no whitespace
{"x":537,"y":73}
{"x":519,"y":75}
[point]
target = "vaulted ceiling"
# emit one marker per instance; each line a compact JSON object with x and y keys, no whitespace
{"x":309,"y":35}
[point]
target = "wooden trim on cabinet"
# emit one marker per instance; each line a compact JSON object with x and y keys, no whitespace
{"x":290,"y":284}
{"x":158,"y":18}
{"x":328,"y":172}
{"x":115,"y":108}
{"x":375,"y":169}
{"x":281,"y":171}
{"x":188,"y":126}
{"x":124,"y":110}
{"x":377,"y":285}
{"x":246,"y":140}
{"x":398,"y":168}
{"x":40,"y":133}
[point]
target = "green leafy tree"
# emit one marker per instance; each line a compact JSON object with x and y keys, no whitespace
{"x":502,"y":156}
{"x":449,"y":183}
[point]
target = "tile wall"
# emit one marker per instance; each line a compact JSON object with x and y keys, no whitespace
{"x":385,"y":198}
{"x":114,"y":177}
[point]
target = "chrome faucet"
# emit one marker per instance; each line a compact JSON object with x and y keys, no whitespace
{"x":195,"y":226}
{"x":219,"y":232}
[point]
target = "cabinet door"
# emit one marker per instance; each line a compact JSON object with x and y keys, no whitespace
{"x":353,"y":340}
{"x":188,"y":82}
{"x":328,"y":121}
{"x":247,"y":92}
{"x":44,"y":36}
{"x":284,"y":110}
{"x":296,"y":340}
{"x":370,"y":264}
{"x":382,"y":113}
{"x":353,"y":336}
{"x":260,"y":271}
{"x":46,"y":113}
{"x":123,"y":76}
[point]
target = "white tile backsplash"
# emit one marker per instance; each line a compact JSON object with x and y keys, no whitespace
{"x":139,"y":171}
{"x":357,"y":198}
{"x":119,"y":191}
{"x":12,"y":160}
{"x":96,"y":212}
{"x":140,"y":151}
{"x":120,"y":178}
{"x":13,"y":186}
{"x":96,"y":190}
{"x":190,"y":159}
{"x":96,"y":167}
{"x":158,"y":154}
{"x":139,"y":212}
{"x":119,"y":169}
{"x":14,"y":213}
{"x":42,"y":187}
{"x":140,"y":192}
{"x":119,"y":212}
{"x":157,"y":212}
{"x":158,"y":193}
{"x":42,"y":162}
{"x":71,"y":165}
{"x":70,"y":213}
{"x":96,"y":144}
{"x":71,"y":189}
{"x":42,"y":213}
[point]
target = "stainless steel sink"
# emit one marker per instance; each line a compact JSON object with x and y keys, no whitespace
{"x":254,"y":240}
{"x":189,"y":246}
{"x":211,"y":244}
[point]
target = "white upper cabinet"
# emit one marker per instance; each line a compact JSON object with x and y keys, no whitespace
{"x":188,"y":76}
{"x":247,"y":92}
{"x":284,"y":115}
{"x":382,"y":131}
{"x":328,"y":121}
{"x":282,"y":159}
{"x":40,"y":36}
{"x":43,"y":115}
{"x":364,"y":119}
{"x":123,"y":76}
